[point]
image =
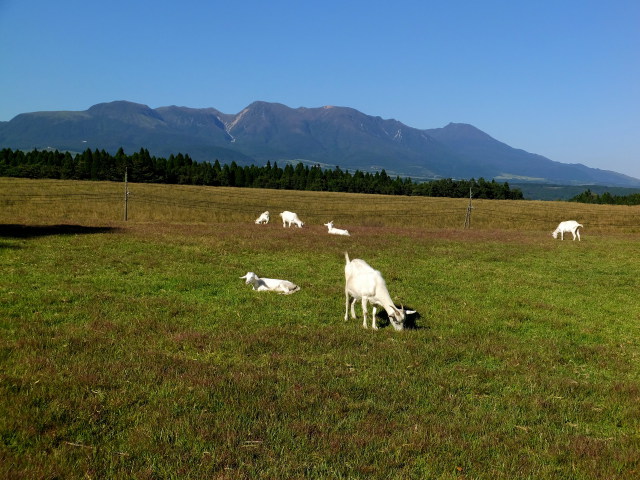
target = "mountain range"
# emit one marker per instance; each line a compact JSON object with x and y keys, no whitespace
{"x":328,"y":136}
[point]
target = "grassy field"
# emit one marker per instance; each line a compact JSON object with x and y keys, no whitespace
{"x":133,"y":350}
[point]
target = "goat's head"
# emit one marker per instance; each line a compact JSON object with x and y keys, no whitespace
{"x":330,"y":224}
{"x":555,"y":234}
{"x":250,"y":277}
{"x":398,"y":316}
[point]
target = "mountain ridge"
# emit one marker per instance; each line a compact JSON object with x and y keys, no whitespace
{"x":327,"y":135}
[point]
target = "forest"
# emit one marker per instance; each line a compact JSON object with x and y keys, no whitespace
{"x":180,"y":169}
{"x":606,"y":198}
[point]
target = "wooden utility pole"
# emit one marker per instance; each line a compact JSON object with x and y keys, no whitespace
{"x":467,"y":219}
{"x":126,"y":195}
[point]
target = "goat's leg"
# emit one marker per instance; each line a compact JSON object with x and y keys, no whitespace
{"x":374,"y":324}
{"x":364,"y":312}
{"x":353,"y":308}
{"x":578,"y":233}
{"x":346,"y":306}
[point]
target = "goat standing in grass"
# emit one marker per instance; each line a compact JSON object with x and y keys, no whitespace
{"x":570,"y":226}
{"x":263,"y":218}
{"x":270,"y":284}
{"x":336,"y":231}
{"x":364,"y":283}
{"x":289,"y":217}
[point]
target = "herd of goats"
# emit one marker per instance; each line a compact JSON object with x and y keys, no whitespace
{"x":362,"y":282}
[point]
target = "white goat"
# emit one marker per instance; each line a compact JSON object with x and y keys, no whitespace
{"x":263,"y":218}
{"x":289,"y":217}
{"x":570,"y":226}
{"x":336,"y":231}
{"x":364,"y":283}
{"x":270,"y":284}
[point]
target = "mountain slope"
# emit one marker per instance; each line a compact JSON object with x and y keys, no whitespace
{"x":509,"y":163}
{"x":264,"y":131}
{"x":337,"y":136}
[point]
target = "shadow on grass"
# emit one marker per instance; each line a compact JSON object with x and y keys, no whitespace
{"x":33,"y":231}
{"x":410,"y":322}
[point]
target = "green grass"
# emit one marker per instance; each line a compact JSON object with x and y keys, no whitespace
{"x":133,"y":350}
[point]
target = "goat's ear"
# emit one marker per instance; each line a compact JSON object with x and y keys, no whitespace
{"x":409,"y":312}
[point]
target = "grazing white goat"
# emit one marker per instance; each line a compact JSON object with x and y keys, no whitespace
{"x":289,"y":217}
{"x":364,"y":283}
{"x":570,"y":226}
{"x":336,"y":231}
{"x":270,"y":284}
{"x":263,"y":218}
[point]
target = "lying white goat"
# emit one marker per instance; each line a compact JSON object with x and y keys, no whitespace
{"x":336,"y":231}
{"x":364,"y":283}
{"x":270,"y":284}
{"x":289,"y":217}
{"x":570,"y":226}
{"x":263,"y":218}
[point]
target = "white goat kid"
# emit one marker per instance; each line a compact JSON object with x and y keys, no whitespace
{"x":284,"y":287}
{"x":570,"y":226}
{"x":336,"y":231}
{"x":263,"y":218}
{"x":364,"y":283}
{"x":289,"y":217}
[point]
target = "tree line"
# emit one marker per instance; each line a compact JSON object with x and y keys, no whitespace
{"x":606,"y":198}
{"x":181,"y":169}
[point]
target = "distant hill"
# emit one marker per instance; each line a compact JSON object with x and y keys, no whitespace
{"x":329,"y":136}
{"x":545,"y":191}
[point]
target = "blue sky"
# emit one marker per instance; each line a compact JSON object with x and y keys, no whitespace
{"x":558,"y":78}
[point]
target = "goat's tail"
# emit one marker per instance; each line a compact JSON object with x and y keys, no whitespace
{"x":346,"y":256}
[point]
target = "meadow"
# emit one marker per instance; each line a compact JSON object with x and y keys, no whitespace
{"x":131,"y":349}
